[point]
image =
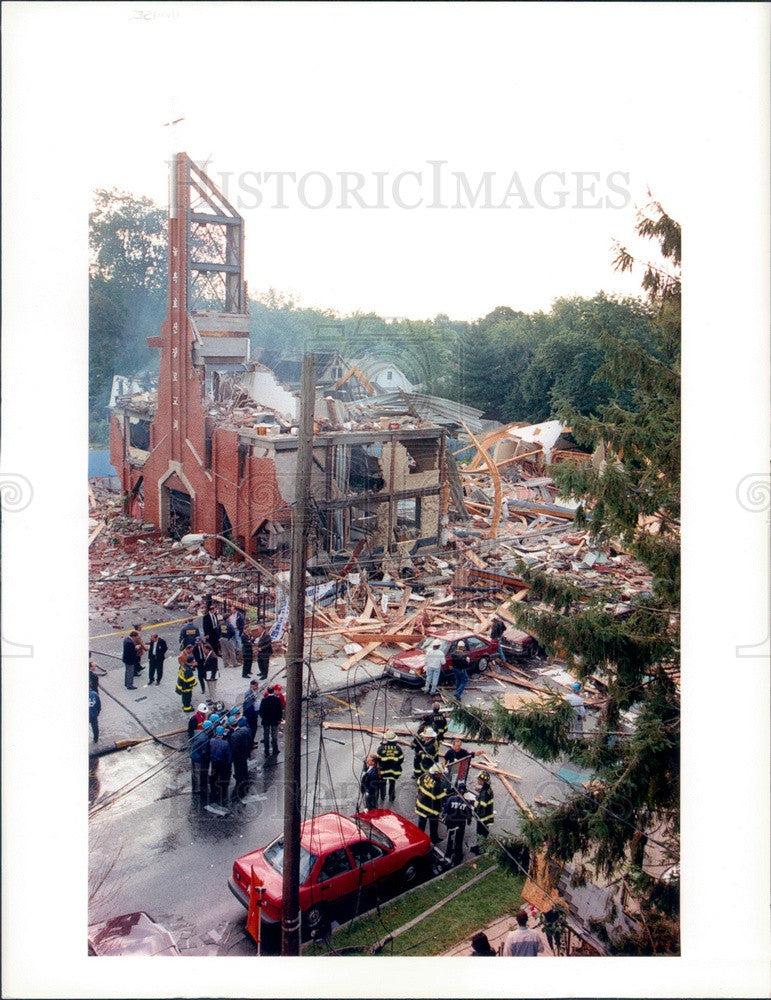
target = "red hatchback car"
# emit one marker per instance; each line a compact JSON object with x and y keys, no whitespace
{"x":340,"y":857}
{"x":410,"y":665}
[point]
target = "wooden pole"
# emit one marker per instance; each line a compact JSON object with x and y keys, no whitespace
{"x":290,"y":915}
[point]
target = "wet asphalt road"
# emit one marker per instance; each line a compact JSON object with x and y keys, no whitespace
{"x":152,"y":849}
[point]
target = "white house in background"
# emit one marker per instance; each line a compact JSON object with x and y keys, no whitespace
{"x":384,"y":375}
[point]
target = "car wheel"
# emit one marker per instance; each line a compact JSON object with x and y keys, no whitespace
{"x":482,"y":664}
{"x":410,"y":874}
{"x":316,"y":919}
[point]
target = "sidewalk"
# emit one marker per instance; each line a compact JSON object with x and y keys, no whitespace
{"x":496,"y":933}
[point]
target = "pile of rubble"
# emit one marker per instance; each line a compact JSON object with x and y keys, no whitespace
{"x":130,"y":562}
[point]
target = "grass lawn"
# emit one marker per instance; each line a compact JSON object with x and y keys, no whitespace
{"x":485,"y":901}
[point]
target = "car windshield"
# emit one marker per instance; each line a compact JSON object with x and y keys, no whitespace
{"x":375,"y":835}
{"x":429,"y":641}
{"x":274,"y":855}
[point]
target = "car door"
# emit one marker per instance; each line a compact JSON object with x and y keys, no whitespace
{"x":370,"y":860}
{"x":475,"y":648}
{"x":335,"y":877}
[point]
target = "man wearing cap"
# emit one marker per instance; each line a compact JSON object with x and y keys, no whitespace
{"x":456,"y":814}
{"x":431,"y":796}
{"x":390,"y":758}
{"x":483,"y":809}
{"x":460,"y":667}
{"x":197,"y":719}
{"x":240,"y":748}
{"x":199,"y":760}
{"x":579,"y":709}
{"x":434,"y":663}
{"x":426,"y":750}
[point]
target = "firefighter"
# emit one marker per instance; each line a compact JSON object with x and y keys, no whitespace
{"x":483,"y":809}
{"x":456,"y":814}
{"x":390,"y":758}
{"x":431,"y":796}
{"x":186,"y":681}
{"x":426,"y":747}
{"x":437,"y":720}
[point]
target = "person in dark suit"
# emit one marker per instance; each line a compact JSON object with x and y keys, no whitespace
{"x":210,"y":626}
{"x":156,"y":652}
{"x":130,"y":658}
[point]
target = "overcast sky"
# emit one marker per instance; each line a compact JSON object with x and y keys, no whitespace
{"x":533,"y":97}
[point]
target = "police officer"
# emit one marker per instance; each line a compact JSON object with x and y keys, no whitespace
{"x":431,"y":796}
{"x":456,"y":814}
{"x":390,"y":758}
{"x":189,"y":634}
{"x":483,"y":809}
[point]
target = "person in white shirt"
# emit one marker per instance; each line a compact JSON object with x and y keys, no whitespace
{"x":579,"y":710}
{"x":523,"y":942}
{"x":434,"y":664}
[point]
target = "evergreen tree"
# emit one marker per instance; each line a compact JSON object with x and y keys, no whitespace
{"x":631,"y":502}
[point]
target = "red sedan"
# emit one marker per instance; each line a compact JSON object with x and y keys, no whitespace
{"x":339,"y":858}
{"x":410,"y":665}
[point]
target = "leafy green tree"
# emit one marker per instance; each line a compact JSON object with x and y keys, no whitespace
{"x":631,"y":502}
{"x":127,"y":292}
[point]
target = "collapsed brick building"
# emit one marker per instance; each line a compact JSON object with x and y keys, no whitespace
{"x":212,"y":448}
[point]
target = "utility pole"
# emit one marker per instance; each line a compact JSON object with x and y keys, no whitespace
{"x":295,"y":652}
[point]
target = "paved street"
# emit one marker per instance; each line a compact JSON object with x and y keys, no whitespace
{"x":151,"y":849}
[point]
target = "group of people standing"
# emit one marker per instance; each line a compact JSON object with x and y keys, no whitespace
{"x":221,"y":744}
{"x":228,"y":637}
{"x":441,"y":787}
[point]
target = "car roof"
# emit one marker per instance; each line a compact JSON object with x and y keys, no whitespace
{"x":452,"y":633}
{"x":328,"y":832}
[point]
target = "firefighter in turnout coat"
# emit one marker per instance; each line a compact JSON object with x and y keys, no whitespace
{"x":437,"y":720}
{"x":390,"y":758}
{"x":186,"y":681}
{"x":426,"y":749}
{"x":483,"y":809}
{"x":431,"y":796}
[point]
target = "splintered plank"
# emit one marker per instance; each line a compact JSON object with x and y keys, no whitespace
{"x":369,"y":608}
{"x":400,"y":611}
{"x":372,"y":646}
{"x":410,"y":638}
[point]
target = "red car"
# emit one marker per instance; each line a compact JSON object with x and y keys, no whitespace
{"x":339,"y":858}
{"x":409,"y":666}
